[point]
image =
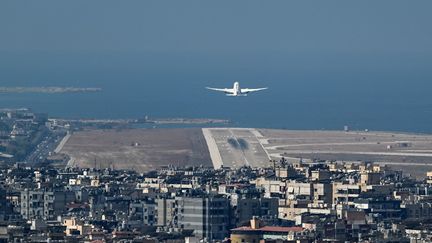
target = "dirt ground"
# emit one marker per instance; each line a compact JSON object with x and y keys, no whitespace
{"x":138,"y":149}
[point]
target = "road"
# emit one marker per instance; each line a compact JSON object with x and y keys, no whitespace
{"x":47,"y":145}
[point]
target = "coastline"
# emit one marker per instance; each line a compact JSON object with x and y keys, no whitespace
{"x":47,"y":90}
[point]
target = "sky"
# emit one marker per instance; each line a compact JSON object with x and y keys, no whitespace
{"x":370,"y":26}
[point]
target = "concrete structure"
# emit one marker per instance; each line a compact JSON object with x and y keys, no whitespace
{"x":166,"y":211}
{"x":246,"y":208}
{"x":206,"y":216}
{"x":345,"y":193}
{"x":38,"y":204}
{"x":429,"y":177}
{"x":370,"y":178}
{"x":257,"y":233}
{"x":143,"y":212}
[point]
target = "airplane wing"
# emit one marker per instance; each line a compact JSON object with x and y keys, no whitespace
{"x":222,"y":90}
{"x":245,"y":91}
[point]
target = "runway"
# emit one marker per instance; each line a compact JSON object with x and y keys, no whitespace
{"x":236,"y":147}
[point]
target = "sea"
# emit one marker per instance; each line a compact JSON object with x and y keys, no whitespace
{"x":386,"y":92}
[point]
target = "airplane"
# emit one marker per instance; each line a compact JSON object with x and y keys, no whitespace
{"x":236,"y":90}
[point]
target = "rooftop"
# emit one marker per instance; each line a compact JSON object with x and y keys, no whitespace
{"x":278,"y":229}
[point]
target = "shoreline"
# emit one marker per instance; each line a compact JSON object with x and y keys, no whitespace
{"x":46,"y":90}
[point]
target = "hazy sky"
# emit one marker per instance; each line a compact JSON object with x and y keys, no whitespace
{"x":386,"y":26}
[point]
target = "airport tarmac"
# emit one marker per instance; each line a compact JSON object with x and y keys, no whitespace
{"x":396,"y":149}
{"x":236,"y":147}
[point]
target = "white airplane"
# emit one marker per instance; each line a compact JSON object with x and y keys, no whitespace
{"x":236,"y":90}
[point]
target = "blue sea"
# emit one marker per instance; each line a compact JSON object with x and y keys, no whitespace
{"x":306,"y":90}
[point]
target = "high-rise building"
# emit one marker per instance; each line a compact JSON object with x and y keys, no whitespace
{"x":207,"y":215}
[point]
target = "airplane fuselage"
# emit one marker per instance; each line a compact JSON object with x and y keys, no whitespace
{"x":236,"y":90}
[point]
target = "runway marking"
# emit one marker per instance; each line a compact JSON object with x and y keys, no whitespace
{"x":360,"y":153}
{"x":213,"y":149}
{"x":262,"y":146}
{"x":243,"y":153}
{"x":328,"y":144}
